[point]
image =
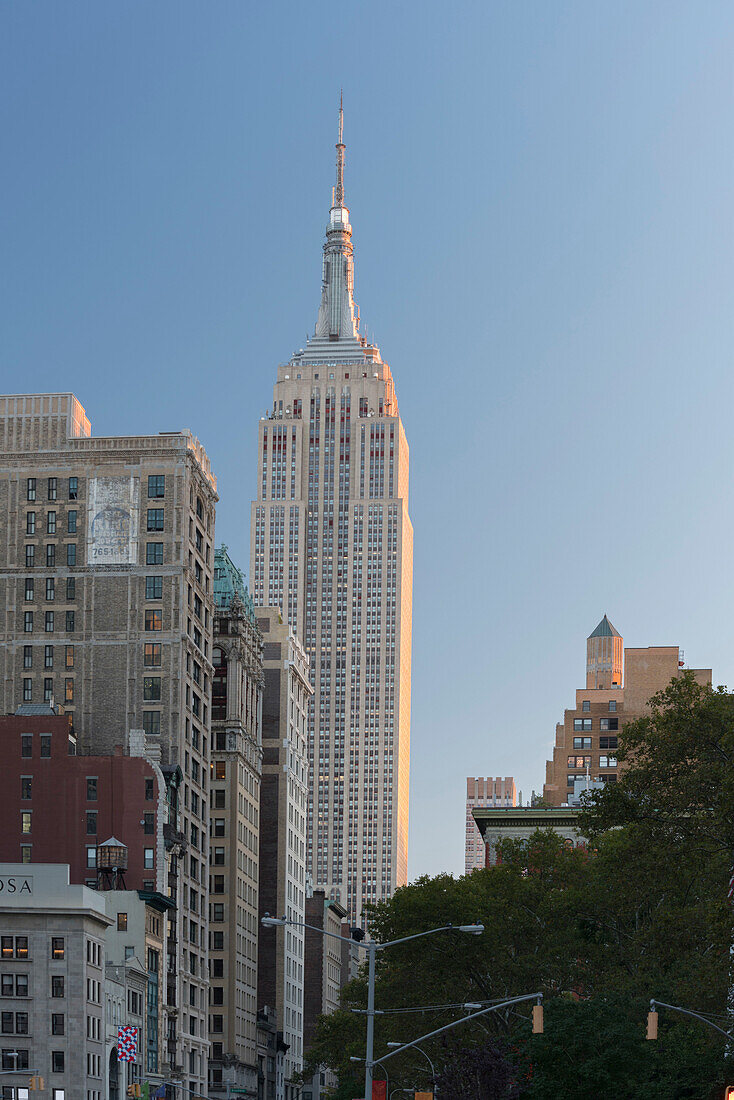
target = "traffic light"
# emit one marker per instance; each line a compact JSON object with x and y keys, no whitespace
{"x":134,"y":1090}
{"x":729,"y":1094}
{"x":537,"y":1019}
{"x":357,"y":934}
{"x":36,"y":1082}
{"x":652,"y":1026}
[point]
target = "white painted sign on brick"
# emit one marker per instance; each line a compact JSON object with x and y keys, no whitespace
{"x":112,"y":521}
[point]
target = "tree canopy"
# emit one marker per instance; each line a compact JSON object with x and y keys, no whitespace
{"x":641,"y":913}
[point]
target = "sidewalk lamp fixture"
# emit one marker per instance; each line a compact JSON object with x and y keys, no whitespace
{"x":430,"y":1063}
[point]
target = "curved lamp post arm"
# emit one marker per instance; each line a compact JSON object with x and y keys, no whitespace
{"x":688,"y":1012}
{"x":447,"y":1027}
{"x":283,"y":922}
{"x":472,"y":929}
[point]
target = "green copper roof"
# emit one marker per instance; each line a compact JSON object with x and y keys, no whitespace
{"x":605,"y":630}
{"x":230,"y":582}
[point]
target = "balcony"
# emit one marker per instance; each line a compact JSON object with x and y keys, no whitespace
{"x":173,"y":837}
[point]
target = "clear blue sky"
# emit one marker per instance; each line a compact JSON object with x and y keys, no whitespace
{"x":541,"y":196}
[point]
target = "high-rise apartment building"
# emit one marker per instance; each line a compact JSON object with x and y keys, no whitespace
{"x":234,"y":801}
{"x":332,"y":546}
{"x":619,"y":683}
{"x":283,"y":808}
{"x":483,"y":792}
{"x":106,"y":570}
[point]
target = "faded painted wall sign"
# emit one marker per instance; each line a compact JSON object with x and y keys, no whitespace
{"x":112,"y":520}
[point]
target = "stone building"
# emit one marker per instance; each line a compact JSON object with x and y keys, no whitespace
{"x":619,"y":684}
{"x":496,"y":823}
{"x":125,"y":990}
{"x":283,"y":807}
{"x":331,"y":544}
{"x":234,"y":807}
{"x":106,"y":575}
{"x":52,"y":959}
{"x":136,"y":940}
{"x":483,"y":792}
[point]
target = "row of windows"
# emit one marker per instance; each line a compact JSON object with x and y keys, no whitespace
{"x":586,"y":705}
{"x":16,"y":947}
{"x":156,"y":487}
{"x":49,"y":622}
{"x":609,"y":742}
{"x":30,"y":588}
{"x":48,"y":689}
{"x":26,"y":745}
{"x":587,"y":724}
{"x":52,"y":488}
{"x":585,"y":762}
{"x":48,"y":656}
{"x":71,"y":519}
{"x":30,"y":555}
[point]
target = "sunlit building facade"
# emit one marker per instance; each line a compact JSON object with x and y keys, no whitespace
{"x":332,"y":546}
{"x":619,"y":683}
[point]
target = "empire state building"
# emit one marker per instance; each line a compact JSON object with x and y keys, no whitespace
{"x":332,"y":546}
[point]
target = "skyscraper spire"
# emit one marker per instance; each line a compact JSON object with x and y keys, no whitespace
{"x":340,"y":147}
{"x":336,"y":335}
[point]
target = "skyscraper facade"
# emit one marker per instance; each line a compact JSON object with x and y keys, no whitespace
{"x":332,"y":546}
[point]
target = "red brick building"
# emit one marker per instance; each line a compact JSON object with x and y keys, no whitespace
{"x":57,"y":807}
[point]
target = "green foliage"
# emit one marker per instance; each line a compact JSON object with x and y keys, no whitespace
{"x":597,"y":1047}
{"x":642,"y":914}
{"x":484,"y":1071}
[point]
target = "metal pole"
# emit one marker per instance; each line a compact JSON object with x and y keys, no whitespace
{"x":433,"y":1070}
{"x":371,"y":957}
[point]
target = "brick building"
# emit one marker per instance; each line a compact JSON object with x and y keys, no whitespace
{"x":106,"y":577}
{"x":619,"y":684}
{"x":45,"y":785}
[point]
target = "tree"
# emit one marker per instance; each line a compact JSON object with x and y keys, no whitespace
{"x":643,"y":913}
{"x":481,"y":1071}
{"x":597,"y":1047}
{"x":679,"y":784}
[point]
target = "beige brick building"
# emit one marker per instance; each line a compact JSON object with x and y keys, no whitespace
{"x":332,"y":546}
{"x":237,"y":693}
{"x":619,"y":683}
{"x":106,"y":568}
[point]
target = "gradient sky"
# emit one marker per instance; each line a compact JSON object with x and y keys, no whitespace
{"x":541,"y":195}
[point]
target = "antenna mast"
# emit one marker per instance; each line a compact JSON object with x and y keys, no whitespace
{"x":339,"y":189}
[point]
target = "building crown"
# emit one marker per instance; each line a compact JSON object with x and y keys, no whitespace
{"x":336,"y":337}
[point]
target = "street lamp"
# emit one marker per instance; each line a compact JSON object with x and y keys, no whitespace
{"x":371,"y":947}
{"x":377,"y":1062}
{"x":430,"y":1063}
